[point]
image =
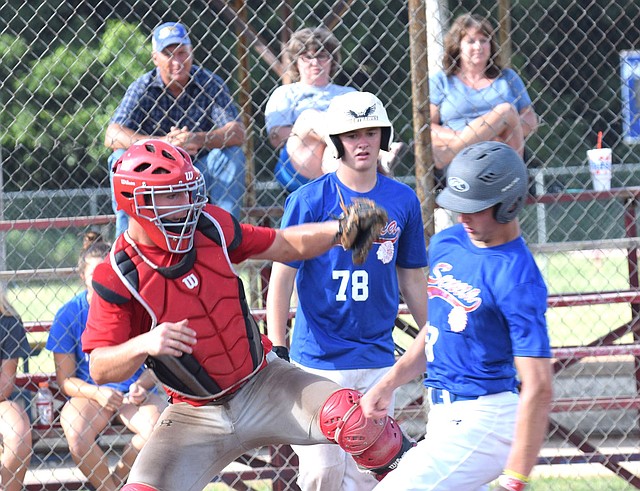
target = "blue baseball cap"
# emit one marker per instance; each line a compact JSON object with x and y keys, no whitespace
{"x":170,"y":33}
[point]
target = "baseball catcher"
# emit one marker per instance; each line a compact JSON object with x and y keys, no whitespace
{"x":168,"y":296}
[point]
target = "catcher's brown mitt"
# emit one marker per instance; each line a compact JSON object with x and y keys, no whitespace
{"x":361,"y":224}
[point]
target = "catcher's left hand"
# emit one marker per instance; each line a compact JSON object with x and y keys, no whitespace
{"x":361,"y":224}
{"x":282,"y":352}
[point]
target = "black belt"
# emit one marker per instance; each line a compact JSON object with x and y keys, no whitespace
{"x":218,"y":401}
{"x":441,"y":396}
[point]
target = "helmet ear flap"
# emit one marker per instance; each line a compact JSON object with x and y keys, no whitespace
{"x":335,"y":145}
{"x":506,"y":212}
{"x":386,"y":138}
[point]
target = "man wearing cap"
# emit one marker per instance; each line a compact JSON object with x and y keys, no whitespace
{"x":188,"y":106}
{"x":485,"y":350}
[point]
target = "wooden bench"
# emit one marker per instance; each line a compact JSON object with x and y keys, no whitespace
{"x":594,"y":298}
{"x":602,"y":347}
{"x":578,"y":353}
{"x":612,"y":459}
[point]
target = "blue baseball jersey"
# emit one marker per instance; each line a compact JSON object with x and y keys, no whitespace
{"x":486,"y":305}
{"x":64,"y":337}
{"x":346,"y":313}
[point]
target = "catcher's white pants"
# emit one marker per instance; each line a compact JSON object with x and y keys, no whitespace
{"x":190,"y":445}
{"x":466,"y":446}
{"x":328,"y":467}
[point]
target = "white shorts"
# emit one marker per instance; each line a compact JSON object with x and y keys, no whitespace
{"x":466,"y":446}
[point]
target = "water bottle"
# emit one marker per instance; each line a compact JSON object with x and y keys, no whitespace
{"x":44,"y":405}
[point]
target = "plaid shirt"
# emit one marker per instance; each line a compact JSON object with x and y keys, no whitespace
{"x":147,"y":107}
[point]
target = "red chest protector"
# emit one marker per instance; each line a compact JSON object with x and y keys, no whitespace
{"x":204,"y":288}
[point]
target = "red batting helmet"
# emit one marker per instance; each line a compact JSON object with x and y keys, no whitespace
{"x":149,"y":170}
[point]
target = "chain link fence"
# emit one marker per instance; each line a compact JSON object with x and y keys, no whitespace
{"x":65,"y":68}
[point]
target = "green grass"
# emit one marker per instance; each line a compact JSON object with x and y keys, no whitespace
{"x":39,"y":301}
{"x":579,"y":484}
{"x":578,"y":272}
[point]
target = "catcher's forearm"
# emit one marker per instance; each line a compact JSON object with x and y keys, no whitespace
{"x":303,"y":241}
{"x":117,"y":363}
{"x":357,"y":229}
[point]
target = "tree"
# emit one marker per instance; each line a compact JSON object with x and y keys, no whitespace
{"x":60,"y":105}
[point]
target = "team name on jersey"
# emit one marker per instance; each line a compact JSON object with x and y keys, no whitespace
{"x":455,"y":292}
{"x":391,"y":231}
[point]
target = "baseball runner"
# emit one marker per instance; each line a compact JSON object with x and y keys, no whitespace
{"x":168,"y":295}
{"x":487,"y":303}
{"x":347,"y":305}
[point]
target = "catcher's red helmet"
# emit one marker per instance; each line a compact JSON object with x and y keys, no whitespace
{"x":148,"y":170}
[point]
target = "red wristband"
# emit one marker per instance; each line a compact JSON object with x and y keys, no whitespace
{"x":511,"y":483}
